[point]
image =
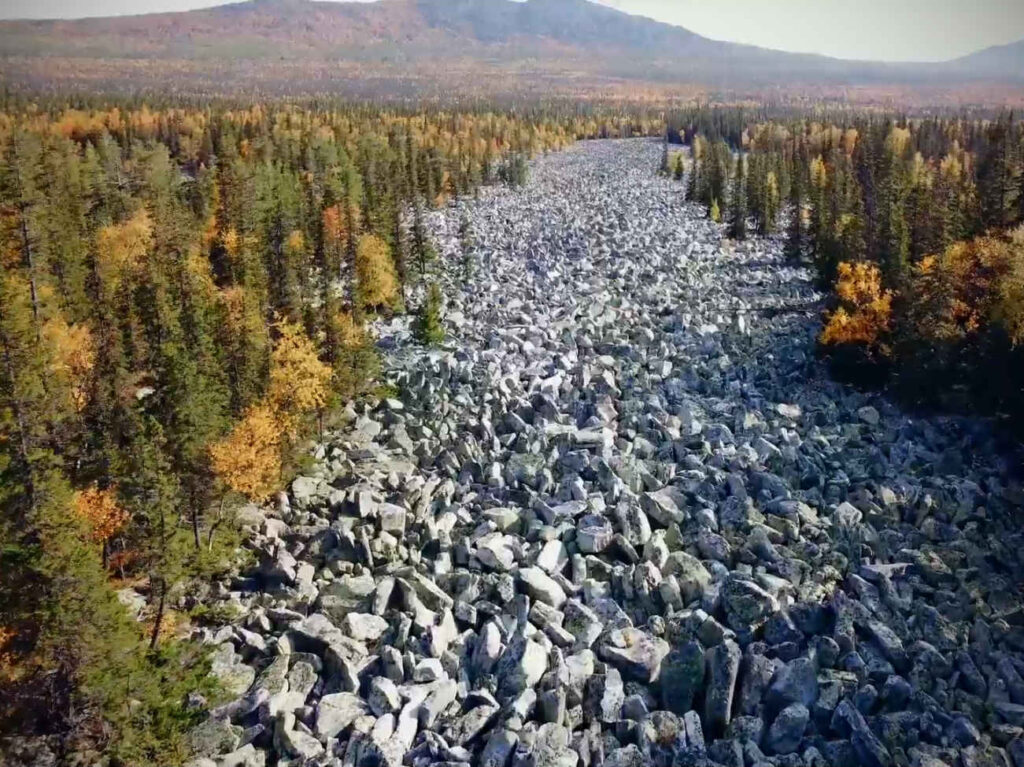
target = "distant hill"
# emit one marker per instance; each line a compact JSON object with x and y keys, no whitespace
{"x":416,"y":46}
{"x":1000,"y":62}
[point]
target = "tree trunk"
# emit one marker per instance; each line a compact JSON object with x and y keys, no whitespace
{"x":159,"y":616}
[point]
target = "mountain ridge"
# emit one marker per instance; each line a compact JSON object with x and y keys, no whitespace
{"x":561,"y":39}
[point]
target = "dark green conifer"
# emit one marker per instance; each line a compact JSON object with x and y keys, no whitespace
{"x":429,"y":330}
{"x":794,"y":248}
{"x":466,"y":246}
{"x":738,"y":202}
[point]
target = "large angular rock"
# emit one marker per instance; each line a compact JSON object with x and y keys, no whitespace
{"x":364,"y":627}
{"x":665,"y":506}
{"x":682,"y":677}
{"x":788,"y":729}
{"x":214,"y":737}
{"x":539,"y":585}
{"x":796,"y":682}
{"x":500,"y":746}
{"x":723,"y":668}
{"x":525,"y":468}
{"x":637,"y":654}
{"x":689,"y":572}
{"x":746,"y":604}
{"x":234,"y":676}
{"x":337,"y":711}
{"x":594,"y":534}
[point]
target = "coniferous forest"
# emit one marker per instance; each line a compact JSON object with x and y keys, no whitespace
{"x":184,"y":299}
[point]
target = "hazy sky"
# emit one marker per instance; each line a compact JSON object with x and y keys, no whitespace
{"x":893,"y":30}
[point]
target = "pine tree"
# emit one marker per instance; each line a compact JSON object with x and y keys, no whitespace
{"x":738,"y":202}
{"x":429,"y":330}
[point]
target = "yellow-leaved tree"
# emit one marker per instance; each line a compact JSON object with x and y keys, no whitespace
{"x":72,"y":356}
{"x":970,"y":288}
{"x":865,"y":311}
{"x":1011,"y":291}
{"x":120,"y":247}
{"x":376,"y":280}
{"x":299,"y":381}
{"x":248,"y":460}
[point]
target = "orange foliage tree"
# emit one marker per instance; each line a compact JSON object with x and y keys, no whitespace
{"x":865,"y":311}
{"x":101,"y":512}
{"x":248,"y":460}
{"x":968,"y":287}
{"x":1010,"y":310}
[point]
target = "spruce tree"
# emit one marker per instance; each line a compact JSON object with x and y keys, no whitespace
{"x":794,"y":248}
{"x":466,"y":246}
{"x":769,"y":205}
{"x":692,"y":183}
{"x":19,"y":184}
{"x":422,"y":249}
{"x":738,"y":202}
{"x":429,"y":330}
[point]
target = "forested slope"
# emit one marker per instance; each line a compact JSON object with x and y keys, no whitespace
{"x":914,"y":224}
{"x":183,"y":300}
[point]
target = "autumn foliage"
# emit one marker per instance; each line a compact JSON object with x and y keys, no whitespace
{"x":299,"y":381}
{"x":968,"y":287}
{"x":375,"y":273}
{"x":121,"y":247}
{"x":248,"y":460}
{"x":73,"y":355}
{"x":101,"y":512}
{"x":865,"y":310}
